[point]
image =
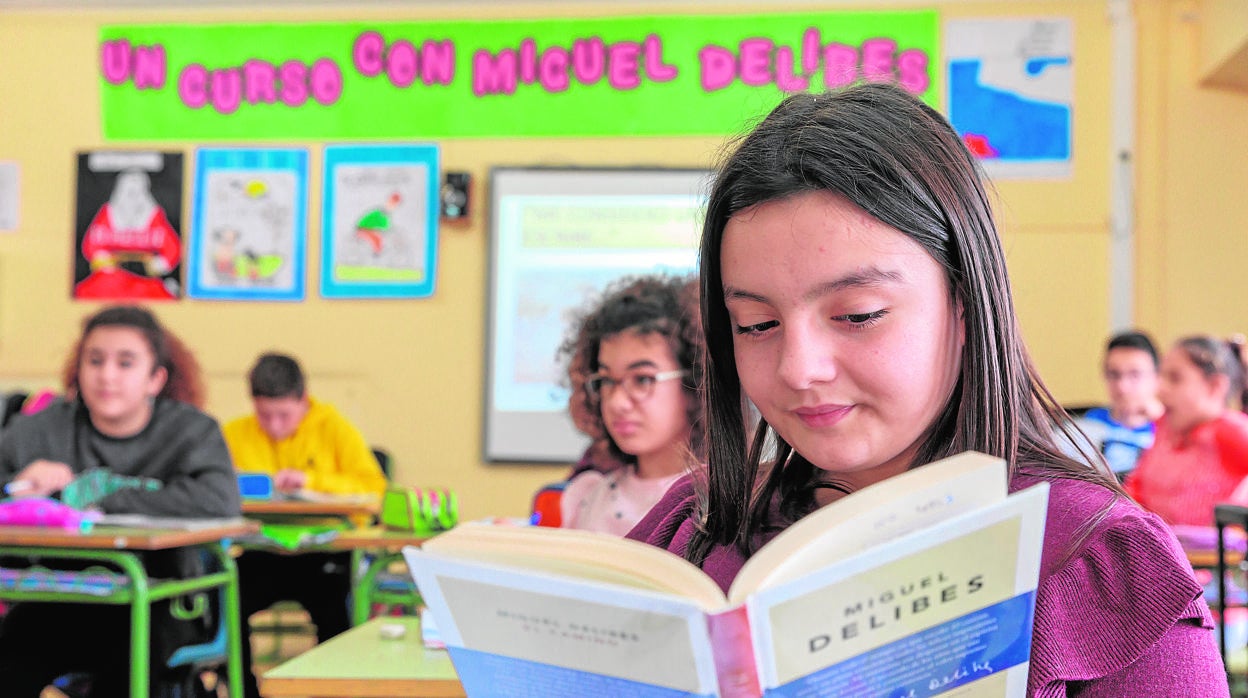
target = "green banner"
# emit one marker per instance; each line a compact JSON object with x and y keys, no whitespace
{"x":652,"y":75}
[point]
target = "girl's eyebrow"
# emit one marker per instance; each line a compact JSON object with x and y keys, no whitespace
{"x":642,"y":363}
{"x":861,"y":278}
{"x":124,"y":353}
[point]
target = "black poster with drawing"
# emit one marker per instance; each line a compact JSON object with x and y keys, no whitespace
{"x":128,"y":239}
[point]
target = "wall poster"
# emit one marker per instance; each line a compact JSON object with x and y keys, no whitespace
{"x":380,"y":222}
{"x":128,"y":240}
{"x":249,"y":230}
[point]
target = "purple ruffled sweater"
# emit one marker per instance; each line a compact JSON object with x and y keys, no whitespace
{"x":1118,"y":612}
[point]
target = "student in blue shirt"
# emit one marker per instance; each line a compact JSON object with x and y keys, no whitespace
{"x":1123,"y":430}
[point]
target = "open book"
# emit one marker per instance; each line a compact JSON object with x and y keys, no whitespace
{"x":916,"y":586}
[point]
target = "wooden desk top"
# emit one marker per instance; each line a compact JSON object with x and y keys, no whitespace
{"x":374,"y":538}
{"x":361,"y":663}
{"x":1209,"y":558}
{"x":325,"y":507}
{"x":110,"y":537}
{"x":369,"y":538}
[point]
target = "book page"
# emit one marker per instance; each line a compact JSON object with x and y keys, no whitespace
{"x":929,"y":612}
{"x":527,"y":633}
{"x":581,"y":554}
{"x":911,"y":501}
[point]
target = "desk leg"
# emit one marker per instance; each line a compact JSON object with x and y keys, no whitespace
{"x":233,"y":626}
{"x":140,"y":625}
{"x":362,"y":585}
{"x":362,"y":591}
{"x":362,"y":594}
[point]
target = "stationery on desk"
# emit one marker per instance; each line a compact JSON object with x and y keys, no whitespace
{"x":89,"y":486}
{"x":18,"y":487}
{"x":914,"y":586}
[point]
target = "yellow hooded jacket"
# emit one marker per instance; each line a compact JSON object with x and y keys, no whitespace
{"x":326,"y":446}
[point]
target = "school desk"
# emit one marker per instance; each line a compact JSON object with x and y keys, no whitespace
{"x":386,"y":544}
{"x":386,"y":547}
{"x":372,"y":549}
{"x":122,"y":548}
{"x":362,"y":663}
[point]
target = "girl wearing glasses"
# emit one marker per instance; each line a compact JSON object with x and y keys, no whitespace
{"x":639,"y":346}
{"x":854,"y":289}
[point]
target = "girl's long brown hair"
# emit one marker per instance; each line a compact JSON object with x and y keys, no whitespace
{"x":900,"y":161}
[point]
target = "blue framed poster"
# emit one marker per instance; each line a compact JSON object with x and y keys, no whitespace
{"x":380,"y":223}
{"x":1011,"y":93}
{"x":249,"y":231}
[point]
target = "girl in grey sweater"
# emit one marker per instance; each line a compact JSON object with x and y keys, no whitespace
{"x":118,"y":416}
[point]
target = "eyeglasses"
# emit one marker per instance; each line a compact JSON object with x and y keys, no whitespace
{"x":637,"y":386}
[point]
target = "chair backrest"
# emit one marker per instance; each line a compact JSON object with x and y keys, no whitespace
{"x":383,"y":460}
{"x":208,"y":653}
{"x":10,"y":407}
{"x":546,"y":509}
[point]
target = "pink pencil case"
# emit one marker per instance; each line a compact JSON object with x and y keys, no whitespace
{"x":44,"y":512}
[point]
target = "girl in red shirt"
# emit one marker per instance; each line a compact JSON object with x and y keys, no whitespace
{"x":1201,"y":452}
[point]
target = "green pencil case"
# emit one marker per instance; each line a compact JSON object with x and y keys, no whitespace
{"x":419,"y":510}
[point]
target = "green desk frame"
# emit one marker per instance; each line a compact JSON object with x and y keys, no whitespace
{"x":140,"y":594}
{"x":384,"y":546}
{"x":364,"y":592}
{"x":372,"y":548}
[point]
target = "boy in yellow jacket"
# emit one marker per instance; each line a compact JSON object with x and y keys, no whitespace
{"x":304,"y":444}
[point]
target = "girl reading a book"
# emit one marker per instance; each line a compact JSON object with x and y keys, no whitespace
{"x":855,"y":291}
{"x":119,"y":419}
{"x":1201,"y":453}
{"x":639,"y":346}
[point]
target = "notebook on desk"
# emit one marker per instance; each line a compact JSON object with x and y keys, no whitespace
{"x":166,"y":522}
{"x":312,"y":496}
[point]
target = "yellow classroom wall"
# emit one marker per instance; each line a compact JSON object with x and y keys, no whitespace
{"x":1192,"y":214}
{"x":1224,"y":41}
{"x":410,"y":372}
